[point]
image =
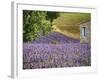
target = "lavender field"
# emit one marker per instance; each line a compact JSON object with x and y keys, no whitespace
{"x":55,"y":50}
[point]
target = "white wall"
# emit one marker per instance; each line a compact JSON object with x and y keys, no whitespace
{"x":5,"y":39}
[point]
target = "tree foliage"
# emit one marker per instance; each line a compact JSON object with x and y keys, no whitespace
{"x":36,"y":24}
{"x":52,"y":15}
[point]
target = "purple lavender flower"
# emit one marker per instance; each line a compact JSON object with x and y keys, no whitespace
{"x":42,"y":53}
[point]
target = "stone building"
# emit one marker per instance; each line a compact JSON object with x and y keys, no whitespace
{"x":85,"y":32}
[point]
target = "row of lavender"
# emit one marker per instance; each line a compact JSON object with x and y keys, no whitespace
{"x":59,"y":55}
{"x":55,"y":37}
{"x":55,"y":50}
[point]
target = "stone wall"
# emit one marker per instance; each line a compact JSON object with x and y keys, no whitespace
{"x":85,"y":35}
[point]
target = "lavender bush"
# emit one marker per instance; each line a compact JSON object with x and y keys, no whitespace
{"x":55,"y":50}
{"x":54,"y":37}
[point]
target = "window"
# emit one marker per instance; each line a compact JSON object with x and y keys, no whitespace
{"x":83,"y":31}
